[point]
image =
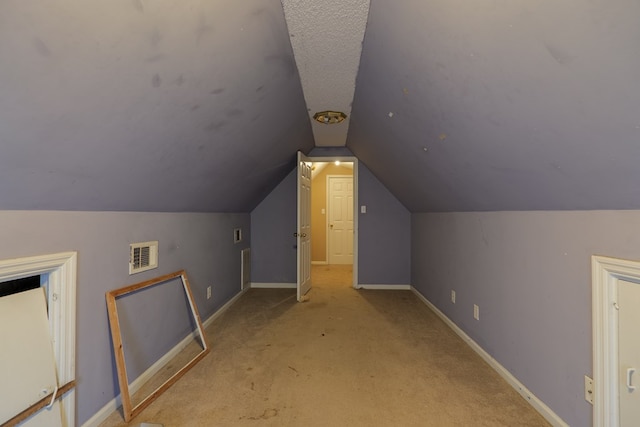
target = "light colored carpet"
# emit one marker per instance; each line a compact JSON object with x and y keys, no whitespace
{"x":344,"y":358}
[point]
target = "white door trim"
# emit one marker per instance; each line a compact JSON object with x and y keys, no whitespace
{"x":605,"y":275}
{"x":354,"y":160}
{"x":61,"y":302}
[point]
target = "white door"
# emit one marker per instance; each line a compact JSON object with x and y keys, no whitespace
{"x":340,"y":206}
{"x":303,"y":232}
{"x":629,"y":353}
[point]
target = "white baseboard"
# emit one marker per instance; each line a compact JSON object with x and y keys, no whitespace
{"x":260,"y":285}
{"x":319,"y":263}
{"x":384,"y":287}
{"x":116,"y":402}
{"x":219,"y":312}
{"x":536,"y":403}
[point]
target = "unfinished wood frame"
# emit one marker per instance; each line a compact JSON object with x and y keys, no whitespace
{"x":128,"y":410}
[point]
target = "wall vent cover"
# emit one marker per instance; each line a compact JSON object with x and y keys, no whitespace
{"x":143,"y":256}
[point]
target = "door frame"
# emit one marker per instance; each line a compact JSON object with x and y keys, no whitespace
{"x":61,"y":303}
{"x":606,"y":272}
{"x":328,"y":205}
{"x":354,"y":160}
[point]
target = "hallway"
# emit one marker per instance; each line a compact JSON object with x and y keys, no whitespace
{"x":344,"y":358}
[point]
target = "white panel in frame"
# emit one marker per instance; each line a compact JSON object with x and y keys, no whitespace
{"x":29,"y":366}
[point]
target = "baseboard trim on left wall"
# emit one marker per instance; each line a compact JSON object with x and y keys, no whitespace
{"x":536,"y":403}
{"x":261,"y":285}
{"x":115,"y":403}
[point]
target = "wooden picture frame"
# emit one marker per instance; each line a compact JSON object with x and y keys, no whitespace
{"x":128,"y":410}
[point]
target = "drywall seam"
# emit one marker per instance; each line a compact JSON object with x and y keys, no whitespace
{"x":115,"y":403}
{"x":536,"y":403}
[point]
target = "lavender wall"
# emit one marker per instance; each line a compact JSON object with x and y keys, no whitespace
{"x":202,"y":244}
{"x":384,"y":232}
{"x":146,"y":106}
{"x":384,"y":243}
{"x":501,"y":105}
{"x":530,"y":273}
{"x":273,"y":246}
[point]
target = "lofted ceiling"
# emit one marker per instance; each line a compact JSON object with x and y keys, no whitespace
{"x":500,"y":104}
{"x":144,"y":105}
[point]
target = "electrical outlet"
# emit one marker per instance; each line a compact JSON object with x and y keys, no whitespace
{"x":208,"y":292}
{"x":588,"y":389}
{"x":476,"y":312}
{"x":453,"y":296}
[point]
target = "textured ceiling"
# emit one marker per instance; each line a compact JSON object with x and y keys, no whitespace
{"x":146,"y":105}
{"x":501,"y":105}
{"x":327,"y":41}
{"x":198,"y":105}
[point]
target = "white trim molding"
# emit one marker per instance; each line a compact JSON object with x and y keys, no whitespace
{"x":384,"y":287}
{"x":261,"y":285}
{"x":605,"y":275}
{"x":60,"y":269}
{"x":536,"y":403}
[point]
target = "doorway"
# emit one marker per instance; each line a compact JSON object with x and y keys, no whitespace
{"x":58,"y":276}
{"x":341,"y":239}
{"x":616,"y":353}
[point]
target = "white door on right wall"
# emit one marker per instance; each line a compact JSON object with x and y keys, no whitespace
{"x":340,"y":221}
{"x":629,"y":353}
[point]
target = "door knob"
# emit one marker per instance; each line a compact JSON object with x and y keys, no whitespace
{"x":330,"y":225}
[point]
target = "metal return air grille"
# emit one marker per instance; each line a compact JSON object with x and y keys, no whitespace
{"x":143,"y":256}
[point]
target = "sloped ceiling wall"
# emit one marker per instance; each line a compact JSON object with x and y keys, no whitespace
{"x":146,"y":105}
{"x":197,"y":105}
{"x":501,"y":105}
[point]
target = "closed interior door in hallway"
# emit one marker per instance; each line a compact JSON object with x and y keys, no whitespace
{"x":340,"y":221}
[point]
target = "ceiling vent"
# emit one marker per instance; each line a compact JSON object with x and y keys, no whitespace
{"x":143,"y":256}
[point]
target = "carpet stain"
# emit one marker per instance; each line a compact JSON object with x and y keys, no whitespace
{"x":268,"y":413}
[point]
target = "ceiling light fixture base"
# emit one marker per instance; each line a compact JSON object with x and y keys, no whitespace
{"x":329,"y":117}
